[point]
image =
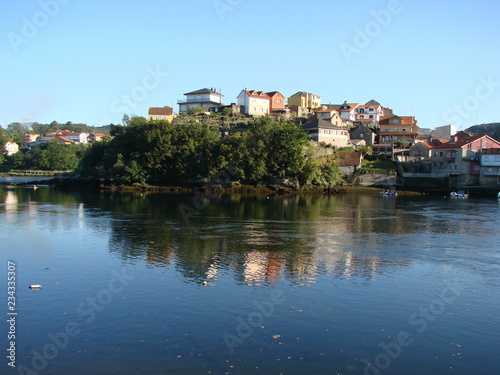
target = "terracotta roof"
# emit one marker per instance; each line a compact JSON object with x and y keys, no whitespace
{"x":160,"y":111}
{"x":257,"y":94}
{"x":272,"y":93}
{"x":349,"y":158}
{"x":405,"y":120}
{"x":99,"y":134}
{"x":62,"y":138}
{"x":352,"y":105}
{"x":460,"y":142}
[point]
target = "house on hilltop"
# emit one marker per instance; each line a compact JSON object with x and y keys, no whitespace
{"x":398,"y":129}
{"x":254,"y":103}
{"x":208,"y":99}
{"x":324,"y":131}
{"x":305,"y":100}
{"x":161,"y":114}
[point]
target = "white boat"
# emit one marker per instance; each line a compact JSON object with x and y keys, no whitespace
{"x":459,"y":194}
{"x":389,"y":193}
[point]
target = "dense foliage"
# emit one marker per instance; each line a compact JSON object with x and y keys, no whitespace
{"x":47,"y":158}
{"x":160,"y":151}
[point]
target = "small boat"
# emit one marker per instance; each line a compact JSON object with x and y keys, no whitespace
{"x":389,"y":193}
{"x":459,"y":194}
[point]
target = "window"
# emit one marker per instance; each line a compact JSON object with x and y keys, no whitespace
{"x":362,"y":110}
{"x":441,"y":153}
{"x":477,"y":167}
{"x":278,"y":100}
{"x":395,"y":121}
{"x":485,"y":158}
{"x":371,"y":116}
{"x":404,"y":129}
{"x":395,"y":129}
{"x":370,"y":109}
{"x":361,"y":116}
{"x":387,"y":129}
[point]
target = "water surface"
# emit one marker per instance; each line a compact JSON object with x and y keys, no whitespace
{"x":182,"y":284}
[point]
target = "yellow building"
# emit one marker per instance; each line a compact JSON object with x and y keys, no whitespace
{"x":305,"y":100}
{"x":161,"y":113}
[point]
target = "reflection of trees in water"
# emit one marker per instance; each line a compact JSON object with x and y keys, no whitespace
{"x":254,"y":239}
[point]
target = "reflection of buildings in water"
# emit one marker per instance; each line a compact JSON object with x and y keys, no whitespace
{"x":261,"y":267}
{"x":159,"y":257}
{"x":10,"y":203}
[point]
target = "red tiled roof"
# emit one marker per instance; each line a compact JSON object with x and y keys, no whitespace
{"x":349,"y":158}
{"x":353,"y":106}
{"x":405,"y":120}
{"x":460,"y":142}
{"x":62,"y":138}
{"x":273,"y":93}
{"x":160,"y":111}
{"x":257,"y":94}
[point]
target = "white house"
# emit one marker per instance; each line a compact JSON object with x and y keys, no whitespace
{"x":204,"y":98}
{"x":347,"y":112}
{"x":255,"y":103}
{"x":10,"y":148}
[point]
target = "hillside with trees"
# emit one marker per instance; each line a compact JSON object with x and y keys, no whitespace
{"x":162,"y":152}
{"x":492,"y":129}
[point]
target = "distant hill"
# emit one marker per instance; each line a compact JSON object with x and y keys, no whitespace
{"x":493,"y":130}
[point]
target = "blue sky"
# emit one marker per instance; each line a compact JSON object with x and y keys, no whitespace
{"x":91,"y":61}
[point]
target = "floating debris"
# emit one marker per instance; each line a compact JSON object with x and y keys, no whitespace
{"x":276,"y":336}
{"x":35,"y":287}
{"x":205,"y":283}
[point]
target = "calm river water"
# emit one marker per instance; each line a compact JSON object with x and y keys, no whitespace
{"x":179,"y":284}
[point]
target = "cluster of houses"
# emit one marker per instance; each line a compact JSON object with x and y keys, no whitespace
{"x":442,"y":152}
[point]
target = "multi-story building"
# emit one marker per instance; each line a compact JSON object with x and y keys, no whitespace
{"x":254,"y":103}
{"x":460,"y":158}
{"x":324,"y":131}
{"x":305,"y":100}
{"x":347,"y":112}
{"x":369,"y":114}
{"x":490,"y":166}
{"x":277,"y":104}
{"x":208,"y":99}
{"x":398,"y":129}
